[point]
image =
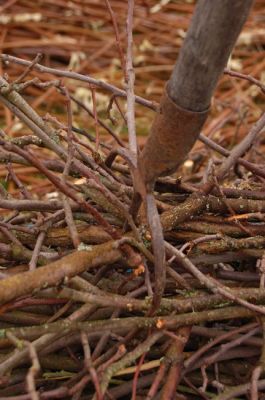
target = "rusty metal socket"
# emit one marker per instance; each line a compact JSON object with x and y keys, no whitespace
{"x":173,"y":133}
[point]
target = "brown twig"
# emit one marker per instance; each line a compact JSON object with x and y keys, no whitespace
{"x":83,"y":78}
{"x":118,"y":39}
{"x":248,"y":78}
{"x":210,"y":283}
{"x":130,"y":81}
{"x":89,"y":365}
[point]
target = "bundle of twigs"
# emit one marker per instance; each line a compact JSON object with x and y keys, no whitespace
{"x":77,"y":270}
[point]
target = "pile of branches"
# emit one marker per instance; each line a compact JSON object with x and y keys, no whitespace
{"x":77,"y":271}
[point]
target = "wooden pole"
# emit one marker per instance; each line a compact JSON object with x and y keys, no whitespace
{"x":185,"y":103}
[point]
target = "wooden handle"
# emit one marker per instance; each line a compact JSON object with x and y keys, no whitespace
{"x":210,"y":39}
{"x":211,"y":36}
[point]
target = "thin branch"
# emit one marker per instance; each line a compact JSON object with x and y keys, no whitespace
{"x":210,"y":283}
{"x":117,"y":36}
{"x":83,"y":78}
{"x":130,"y":81}
{"x":248,"y":78}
